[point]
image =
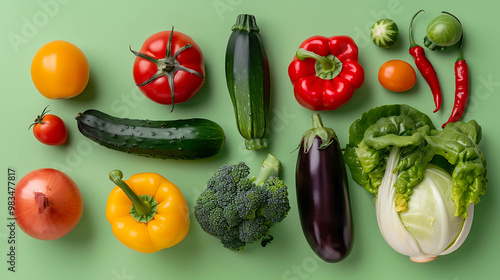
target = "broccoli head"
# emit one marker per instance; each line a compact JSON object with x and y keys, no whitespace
{"x":239,"y":209}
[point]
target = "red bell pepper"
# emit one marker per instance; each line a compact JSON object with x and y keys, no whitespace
{"x":325,"y":72}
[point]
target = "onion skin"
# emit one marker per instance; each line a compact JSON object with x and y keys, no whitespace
{"x":48,"y":204}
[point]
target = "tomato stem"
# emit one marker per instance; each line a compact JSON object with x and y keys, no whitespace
{"x":39,"y":118}
{"x":167,"y":66}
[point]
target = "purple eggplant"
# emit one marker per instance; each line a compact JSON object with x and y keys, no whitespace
{"x":323,"y":193}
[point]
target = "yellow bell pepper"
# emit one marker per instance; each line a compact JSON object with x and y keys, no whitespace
{"x":147,"y":213}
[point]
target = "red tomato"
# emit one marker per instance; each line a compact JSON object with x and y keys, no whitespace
{"x":50,"y":129}
{"x":397,"y":75}
{"x":155,"y":67}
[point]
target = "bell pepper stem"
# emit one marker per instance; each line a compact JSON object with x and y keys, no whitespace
{"x":327,"y":64}
{"x":142,"y":207}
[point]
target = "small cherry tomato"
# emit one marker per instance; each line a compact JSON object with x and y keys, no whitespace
{"x":397,"y":75}
{"x":49,"y":129}
{"x":60,"y":70}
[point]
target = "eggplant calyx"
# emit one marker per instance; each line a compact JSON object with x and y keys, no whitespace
{"x":326,"y":134}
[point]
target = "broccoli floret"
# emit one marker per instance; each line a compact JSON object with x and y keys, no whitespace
{"x":238,"y":209}
{"x":277,"y":205}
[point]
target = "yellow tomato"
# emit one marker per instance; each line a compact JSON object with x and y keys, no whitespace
{"x":60,"y":70}
{"x":397,"y":75}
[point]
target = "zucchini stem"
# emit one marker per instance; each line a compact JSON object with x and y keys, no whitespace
{"x":245,"y":22}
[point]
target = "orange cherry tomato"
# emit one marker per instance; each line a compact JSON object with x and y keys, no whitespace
{"x":60,"y":70}
{"x":397,"y":75}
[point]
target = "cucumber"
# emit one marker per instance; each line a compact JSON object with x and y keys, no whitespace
{"x":247,"y":78}
{"x":175,"y":139}
{"x":384,"y":33}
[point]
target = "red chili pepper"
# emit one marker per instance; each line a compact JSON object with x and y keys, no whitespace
{"x":325,"y":72}
{"x":461,"y":91}
{"x":461,"y":85}
{"x":425,"y":67}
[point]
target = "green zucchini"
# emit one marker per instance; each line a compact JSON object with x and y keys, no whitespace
{"x":384,"y":33}
{"x":247,"y":77}
{"x":175,"y":139}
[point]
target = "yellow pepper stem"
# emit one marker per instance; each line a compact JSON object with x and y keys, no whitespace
{"x":142,"y":207}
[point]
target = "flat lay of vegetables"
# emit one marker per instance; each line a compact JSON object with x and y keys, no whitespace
{"x":169,"y":68}
{"x":147,"y":212}
{"x":323,"y":193}
{"x":325,"y":72}
{"x":426,"y":181}
{"x":248,"y":81}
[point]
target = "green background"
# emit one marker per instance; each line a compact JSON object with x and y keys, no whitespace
{"x":105,"y":29}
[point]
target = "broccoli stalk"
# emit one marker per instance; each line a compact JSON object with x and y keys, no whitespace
{"x":271,"y":167}
{"x":240,"y":210}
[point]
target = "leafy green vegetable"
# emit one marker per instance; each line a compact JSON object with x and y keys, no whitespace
{"x":422,"y":209}
{"x":372,"y":136}
{"x":457,"y":143}
{"x":384,"y":33}
{"x":432,"y":196}
{"x":367,"y":163}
